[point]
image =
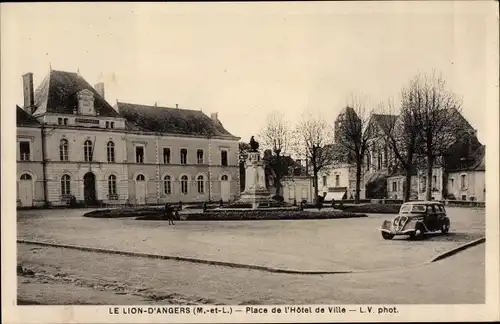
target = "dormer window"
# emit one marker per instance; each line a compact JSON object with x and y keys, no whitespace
{"x":86,"y":102}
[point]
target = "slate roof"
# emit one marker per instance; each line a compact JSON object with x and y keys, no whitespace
{"x":383,"y":120}
{"x":475,"y":161}
{"x":25,"y":119}
{"x":58,"y":94}
{"x":169,"y":120}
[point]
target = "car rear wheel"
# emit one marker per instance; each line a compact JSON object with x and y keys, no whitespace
{"x":387,"y":236}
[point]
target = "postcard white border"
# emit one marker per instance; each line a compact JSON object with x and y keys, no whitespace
{"x":92,"y":314}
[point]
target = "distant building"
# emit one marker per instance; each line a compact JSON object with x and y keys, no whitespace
{"x":458,"y":174}
{"x":72,"y":143}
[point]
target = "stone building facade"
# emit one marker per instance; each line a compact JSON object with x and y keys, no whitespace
{"x":72,"y":143}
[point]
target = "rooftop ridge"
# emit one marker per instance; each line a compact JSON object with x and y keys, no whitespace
{"x":160,"y":107}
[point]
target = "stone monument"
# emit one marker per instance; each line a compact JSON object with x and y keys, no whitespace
{"x":255,"y":181}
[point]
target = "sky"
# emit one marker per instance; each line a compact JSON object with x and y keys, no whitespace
{"x":246,"y":60}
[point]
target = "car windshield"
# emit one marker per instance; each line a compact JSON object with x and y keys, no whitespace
{"x":413,"y":208}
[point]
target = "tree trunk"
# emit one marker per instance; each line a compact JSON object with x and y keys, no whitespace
{"x":315,"y":183}
{"x":407,"y":189}
{"x":277,"y":183}
{"x":430,"y":164}
{"x":358,"y":181}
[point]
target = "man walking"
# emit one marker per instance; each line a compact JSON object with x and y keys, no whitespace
{"x":169,"y":212}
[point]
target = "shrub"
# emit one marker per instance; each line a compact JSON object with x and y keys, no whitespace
{"x":372,"y":208}
{"x":262,"y":215}
{"x":278,"y":198}
{"x":125,"y":212}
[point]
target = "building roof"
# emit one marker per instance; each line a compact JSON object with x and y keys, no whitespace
{"x":385,"y":121}
{"x":169,"y":120}
{"x":58,"y":94}
{"x":25,"y":119}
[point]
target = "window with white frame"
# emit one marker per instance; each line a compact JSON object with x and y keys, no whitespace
{"x":434,"y":182}
{"x":184,"y":184}
{"x":223,"y":158}
{"x":25,"y":150}
{"x":201,"y":184}
{"x":65,"y":185}
{"x":337,"y":180}
{"x":452,"y":184}
{"x":139,"y":154}
{"x":110,"y":150}
{"x":184,"y":154}
{"x":166,"y":155}
{"x":324,"y":181}
{"x":394,"y":186}
{"x":65,"y":121}
{"x":463,"y":181}
{"x":112,"y":185}
{"x":87,"y":150}
{"x":199,"y":156}
{"x":63,"y":150}
{"x":167,"y":185}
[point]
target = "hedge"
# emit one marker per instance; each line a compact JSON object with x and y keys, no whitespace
{"x":373,"y":208}
{"x":125,"y":212}
{"x":260,"y":215}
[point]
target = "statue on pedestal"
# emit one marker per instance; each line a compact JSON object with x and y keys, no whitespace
{"x":255,"y":185}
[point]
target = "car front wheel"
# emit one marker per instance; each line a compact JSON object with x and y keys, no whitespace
{"x":445,"y":228}
{"x":387,"y":236}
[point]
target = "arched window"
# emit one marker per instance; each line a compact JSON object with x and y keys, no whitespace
{"x":140,"y":177}
{"x":65,"y":121}
{"x":63,"y":150}
{"x":111,"y":151}
{"x":184,"y":184}
{"x":25,"y":176}
{"x":200,"y":180}
{"x":87,"y":150}
{"x":224,"y":178}
{"x":112,"y":185}
{"x":167,"y":184}
{"x":65,"y":185}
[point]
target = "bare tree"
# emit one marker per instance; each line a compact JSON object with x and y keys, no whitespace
{"x":401,"y":133}
{"x":354,"y":135}
{"x":313,"y":139}
{"x":276,"y":137}
{"x":437,"y":117}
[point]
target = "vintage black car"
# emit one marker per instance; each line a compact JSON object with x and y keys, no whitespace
{"x":417,"y":218}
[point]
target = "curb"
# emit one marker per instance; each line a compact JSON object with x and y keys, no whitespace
{"x":185,"y":259}
{"x":249,"y":266}
{"x":457,"y":249}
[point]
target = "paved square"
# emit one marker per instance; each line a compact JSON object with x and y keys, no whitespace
{"x":303,"y":245}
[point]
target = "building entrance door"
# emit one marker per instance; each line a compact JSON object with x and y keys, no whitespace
{"x":26,"y":190}
{"x":89,"y":188}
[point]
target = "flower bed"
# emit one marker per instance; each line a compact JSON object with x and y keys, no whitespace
{"x":222,"y":215}
{"x":373,"y":208}
{"x":125,"y":212}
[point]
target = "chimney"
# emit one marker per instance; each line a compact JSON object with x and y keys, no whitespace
{"x":29,"y":96}
{"x":214,"y":117}
{"x":99,"y":87}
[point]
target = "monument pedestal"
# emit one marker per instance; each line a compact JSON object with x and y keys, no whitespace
{"x":255,"y":183}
